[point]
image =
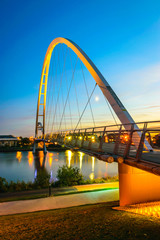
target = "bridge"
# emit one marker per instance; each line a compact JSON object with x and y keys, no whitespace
{"x":135,"y":146}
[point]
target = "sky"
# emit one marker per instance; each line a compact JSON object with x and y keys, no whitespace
{"x":122,"y":38}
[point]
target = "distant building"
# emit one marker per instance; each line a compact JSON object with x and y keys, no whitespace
{"x":8,"y":140}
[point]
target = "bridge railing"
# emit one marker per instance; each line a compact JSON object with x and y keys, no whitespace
{"x":127,"y":141}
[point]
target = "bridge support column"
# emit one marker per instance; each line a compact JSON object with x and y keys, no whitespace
{"x":35,"y":146}
{"x":137,"y":186}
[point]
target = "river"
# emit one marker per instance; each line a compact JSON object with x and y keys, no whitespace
{"x":23,"y":166}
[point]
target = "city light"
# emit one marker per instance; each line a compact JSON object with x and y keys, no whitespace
{"x":126,"y":138}
{"x":93,"y":138}
{"x":31,"y":138}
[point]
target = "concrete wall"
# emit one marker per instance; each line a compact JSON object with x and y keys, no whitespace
{"x":137,"y":186}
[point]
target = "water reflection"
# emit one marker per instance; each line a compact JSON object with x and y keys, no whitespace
{"x":25,"y":165}
{"x":40,"y":165}
{"x":30,"y":159}
{"x":69,"y":157}
{"x":39,"y":161}
{"x":93,"y":160}
{"x":91,"y":176}
{"x":80,"y":160}
{"x":19,"y":156}
{"x":50,"y":158}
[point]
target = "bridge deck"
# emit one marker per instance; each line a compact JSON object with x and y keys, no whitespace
{"x":128,"y":141}
{"x":152,"y":156}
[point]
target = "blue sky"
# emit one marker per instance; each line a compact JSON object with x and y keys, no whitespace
{"x":121,"y":37}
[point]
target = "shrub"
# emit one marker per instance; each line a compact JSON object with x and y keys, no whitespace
{"x":3,"y":185}
{"x":12,"y":186}
{"x":68,"y":176}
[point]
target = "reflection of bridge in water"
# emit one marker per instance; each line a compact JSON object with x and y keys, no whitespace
{"x":135,"y":146}
{"x":89,"y":166}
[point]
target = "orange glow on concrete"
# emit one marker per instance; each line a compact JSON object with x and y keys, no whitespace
{"x":30,"y":159}
{"x":19,"y":156}
{"x":137,"y":186}
{"x":149,"y":209}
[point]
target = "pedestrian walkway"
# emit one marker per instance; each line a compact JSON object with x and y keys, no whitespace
{"x":56,"y":191}
{"x":7,"y":208}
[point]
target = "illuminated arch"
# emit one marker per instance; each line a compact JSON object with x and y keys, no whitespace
{"x":108,"y":92}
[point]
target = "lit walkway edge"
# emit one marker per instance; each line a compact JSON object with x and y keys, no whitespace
{"x":64,"y":201}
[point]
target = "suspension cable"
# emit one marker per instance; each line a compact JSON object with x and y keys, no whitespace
{"x":88,"y":95}
{"x":111,"y":111}
{"x":63,"y":97}
{"x":75,"y":90}
{"x":68,"y":93}
{"x":86,"y":106}
{"x":58,"y":93}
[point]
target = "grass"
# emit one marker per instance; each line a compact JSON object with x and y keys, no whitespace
{"x":18,"y":198}
{"x":91,"y":222}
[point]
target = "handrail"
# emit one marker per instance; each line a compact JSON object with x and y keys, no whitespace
{"x":136,"y":123}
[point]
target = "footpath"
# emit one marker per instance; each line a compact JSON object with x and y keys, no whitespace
{"x":95,"y":193}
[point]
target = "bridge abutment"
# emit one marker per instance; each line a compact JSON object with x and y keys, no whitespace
{"x":137,"y":186}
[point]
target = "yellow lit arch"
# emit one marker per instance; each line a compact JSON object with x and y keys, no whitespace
{"x":108,"y":92}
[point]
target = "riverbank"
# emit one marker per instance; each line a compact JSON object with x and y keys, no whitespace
{"x":41,"y":193}
{"x":25,"y":149}
{"x":98,"y":222}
